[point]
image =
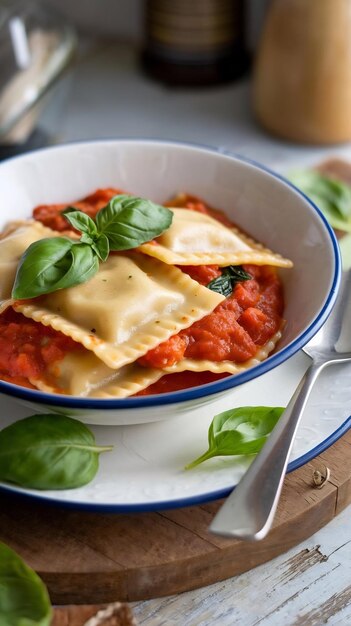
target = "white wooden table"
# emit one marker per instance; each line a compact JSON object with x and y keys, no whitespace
{"x":108,"y":97}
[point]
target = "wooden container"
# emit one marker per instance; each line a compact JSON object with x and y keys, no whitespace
{"x":302,"y":76}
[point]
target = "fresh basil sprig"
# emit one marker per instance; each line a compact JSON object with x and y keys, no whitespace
{"x":54,"y":263}
{"x":128,"y":222}
{"x":59,"y":262}
{"x":225,"y":283}
{"x":332,"y":196}
{"x":239,"y":431}
{"x":48,"y":452}
{"x":24,"y":600}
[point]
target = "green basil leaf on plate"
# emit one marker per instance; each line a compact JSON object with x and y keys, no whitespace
{"x":48,"y":452}
{"x":333,"y":197}
{"x":239,"y":431}
{"x":24,"y":600}
{"x":128,"y":221}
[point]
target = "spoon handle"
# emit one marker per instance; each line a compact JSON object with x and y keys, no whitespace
{"x":249,"y":510}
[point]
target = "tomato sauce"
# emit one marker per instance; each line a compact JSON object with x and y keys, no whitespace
{"x":27,"y":348}
{"x":187,"y":201}
{"x":179,"y":381}
{"x":51,"y":214}
{"x":234,"y":331}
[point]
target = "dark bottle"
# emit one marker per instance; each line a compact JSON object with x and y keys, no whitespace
{"x":195,"y":42}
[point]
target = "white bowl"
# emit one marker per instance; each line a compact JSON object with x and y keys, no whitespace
{"x":261,"y":202}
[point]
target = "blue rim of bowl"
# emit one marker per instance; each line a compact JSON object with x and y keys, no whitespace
{"x":208,"y":389}
{"x":147,"y":507}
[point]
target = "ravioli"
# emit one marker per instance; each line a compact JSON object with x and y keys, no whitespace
{"x":13,"y":243}
{"x":198,"y":239}
{"x":130,"y":306}
{"x":135,"y":303}
{"x":84,"y":375}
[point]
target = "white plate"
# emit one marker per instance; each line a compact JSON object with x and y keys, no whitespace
{"x":145,"y":469}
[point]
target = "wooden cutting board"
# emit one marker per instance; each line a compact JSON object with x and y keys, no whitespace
{"x":89,"y":558}
{"x":116,"y":614}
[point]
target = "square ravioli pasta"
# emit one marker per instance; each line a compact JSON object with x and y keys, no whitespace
{"x":141,"y":324}
{"x":13,"y":242}
{"x":196,"y":238}
{"x":129,"y":307}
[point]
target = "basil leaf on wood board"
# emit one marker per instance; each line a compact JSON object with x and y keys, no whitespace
{"x":225,"y":283}
{"x":128,"y":221}
{"x":24,"y":600}
{"x":48,"y":452}
{"x":239,"y":431}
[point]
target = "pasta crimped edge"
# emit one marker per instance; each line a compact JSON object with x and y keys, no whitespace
{"x":124,"y":382}
{"x":257,"y":254}
{"x":199,"y":302}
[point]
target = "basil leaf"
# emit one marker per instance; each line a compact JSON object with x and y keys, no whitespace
{"x":81,"y":221}
{"x":51,"y":264}
{"x":85,"y":238}
{"x":39,"y":267}
{"x":69,"y":209}
{"x":237,"y":274}
{"x":102,"y":247}
{"x":24,"y":600}
{"x":59,"y":263}
{"x":48,"y":452}
{"x":222,"y":284}
{"x":128,"y":221}
{"x":332,"y":196}
{"x":230,"y":276}
{"x":239,"y":431}
{"x":78,"y":266}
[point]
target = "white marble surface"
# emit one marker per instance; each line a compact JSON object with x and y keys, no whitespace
{"x":309,"y":585}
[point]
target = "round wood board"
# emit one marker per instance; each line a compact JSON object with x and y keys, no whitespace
{"x":87,"y":558}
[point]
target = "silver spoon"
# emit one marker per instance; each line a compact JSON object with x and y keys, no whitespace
{"x":249,"y":510}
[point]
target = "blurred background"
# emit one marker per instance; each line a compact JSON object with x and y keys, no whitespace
{"x":99,"y":85}
{"x":269,"y":79}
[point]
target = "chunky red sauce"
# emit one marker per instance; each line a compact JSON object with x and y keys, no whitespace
{"x":233,"y":331}
{"x":179,"y":381}
{"x":51,"y":214}
{"x":27,"y":348}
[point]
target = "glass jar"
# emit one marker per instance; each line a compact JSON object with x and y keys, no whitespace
{"x":36,"y":45}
